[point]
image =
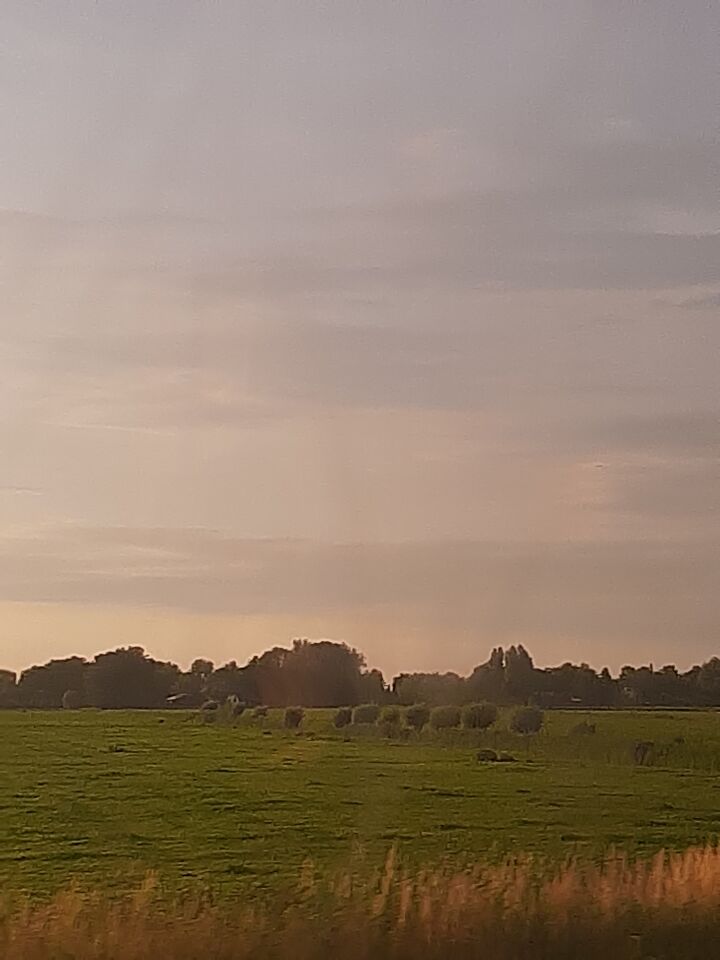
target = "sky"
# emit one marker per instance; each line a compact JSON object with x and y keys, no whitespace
{"x":391,"y":323}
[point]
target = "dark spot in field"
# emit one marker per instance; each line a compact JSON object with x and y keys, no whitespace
{"x":439,"y":792}
{"x":523,"y":790}
{"x":138,"y":839}
{"x":451,"y":826}
{"x":574,"y":837}
{"x":352,"y":803}
{"x":224,"y":770}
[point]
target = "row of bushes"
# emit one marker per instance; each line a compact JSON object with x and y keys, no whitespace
{"x":473,"y":716}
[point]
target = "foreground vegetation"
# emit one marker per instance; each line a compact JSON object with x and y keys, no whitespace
{"x":667,"y":908}
{"x":109,"y":795}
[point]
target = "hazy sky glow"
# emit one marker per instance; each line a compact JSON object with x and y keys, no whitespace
{"x":397,"y":323}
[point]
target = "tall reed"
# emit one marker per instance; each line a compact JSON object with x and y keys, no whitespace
{"x":667,"y":908}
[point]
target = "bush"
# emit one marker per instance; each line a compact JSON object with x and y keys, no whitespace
{"x":343,"y":717}
{"x":390,"y":720}
{"x":445,"y":718}
{"x":416,"y":716}
{"x":366,"y":713}
{"x":479,"y":716}
{"x":487,"y":756}
{"x":71,"y":700}
{"x":259,"y":713}
{"x":527,"y":720}
{"x":293,"y":717}
{"x":209,"y":706}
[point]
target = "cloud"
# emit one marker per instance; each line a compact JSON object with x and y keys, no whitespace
{"x":674,"y":434}
{"x":639,"y":595}
{"x":709,"y":302}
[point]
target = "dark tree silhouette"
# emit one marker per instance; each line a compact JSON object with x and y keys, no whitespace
{"x":44,"y":686}
{"x":129,"y":678}
{"x":328,"y":674}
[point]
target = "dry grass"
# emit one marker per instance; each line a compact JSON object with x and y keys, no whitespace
{"x":668,"y":907}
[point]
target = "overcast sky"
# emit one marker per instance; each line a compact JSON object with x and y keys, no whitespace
{"x":396,"y":323}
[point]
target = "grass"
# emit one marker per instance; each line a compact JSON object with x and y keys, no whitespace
{"x":667,"y":908}
{"x":105,"y":797}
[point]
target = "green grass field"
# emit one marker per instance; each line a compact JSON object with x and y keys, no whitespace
{"x":103,"y":797}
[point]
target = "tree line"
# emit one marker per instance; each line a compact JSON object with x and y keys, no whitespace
{"x":329,"y":674}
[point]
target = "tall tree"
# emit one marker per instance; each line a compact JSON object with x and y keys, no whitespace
{"x":43,"y":686}
{"x":129,"y":678}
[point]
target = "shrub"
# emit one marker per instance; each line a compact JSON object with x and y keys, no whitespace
{"x":417,"y":715}
{"x":479,"y":716}
{"x":343,"y":717}
{"x":390,"y":720}
{"x":259,"y":713}
{"x":366,"y":713}
{"x":209,"y":706}
{"x":487,"y":756}
{"x":71,"y":700}
{"x":527,"y":720}
{"x":445,"y":718}
{"x":391,"y":714}
{"x":293,"y":717}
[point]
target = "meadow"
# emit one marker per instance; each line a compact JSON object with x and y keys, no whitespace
{"x":103,"y":797}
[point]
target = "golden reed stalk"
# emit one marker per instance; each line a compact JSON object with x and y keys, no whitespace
{"x":667,"y":908}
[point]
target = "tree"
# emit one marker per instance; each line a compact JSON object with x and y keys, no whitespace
{"x":343,"y":717}
{"x":487,"y":681}
{"x":202,"y":668}
{"x":390,"y":720}
{"x":43,"y":686}
{"x":527,"y":720}
{"x":708,"y":682}
{"x":372,"y":688}
{"x":8,"y":689}
{"x":417,"y":715}
{"x":128,"y":678}
{"x":479,"y":716}
{"x":323,"y":674}
{"x":520,"y":681}
{"x":231,"y":680}
{"x":444,"y":718}
{"x":366,"y":713}
{"x":431,"y":688}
